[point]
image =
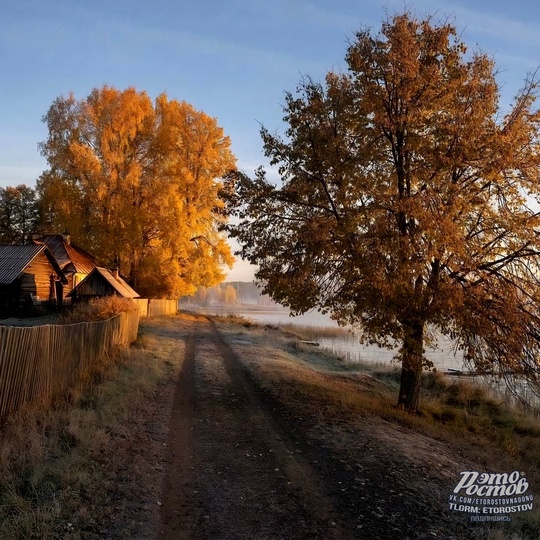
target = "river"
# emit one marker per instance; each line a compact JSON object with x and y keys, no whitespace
{"x":348,"y":347}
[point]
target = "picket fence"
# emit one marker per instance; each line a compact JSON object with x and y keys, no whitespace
{"x":40,"y":362}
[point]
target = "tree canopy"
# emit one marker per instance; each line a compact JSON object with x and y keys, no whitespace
{"x":406,"y":202}
{"x":19,"y":214}
{"x":136,"y":183}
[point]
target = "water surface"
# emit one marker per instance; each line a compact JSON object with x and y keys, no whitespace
{"x":348,"y":347}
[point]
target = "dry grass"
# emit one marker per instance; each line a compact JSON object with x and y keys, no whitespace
{"x":97,"y":309}
{"x":451,"y":410}
{"x":232,"y":318}
{"x":61,"y":469}
{"x":313,"y":333}
{"x":467,"y":419}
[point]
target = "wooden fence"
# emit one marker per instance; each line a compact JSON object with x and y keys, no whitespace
{"x":142,"y":306}
{"x":155,"y":308}
{"x":40,"y":362}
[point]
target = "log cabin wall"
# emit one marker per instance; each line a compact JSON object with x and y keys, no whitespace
{"x":36,"y":278}
{"x":29,"y":279}
{"x":68,"y":287}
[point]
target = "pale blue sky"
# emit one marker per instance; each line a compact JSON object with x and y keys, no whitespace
{"x":232,"y":59}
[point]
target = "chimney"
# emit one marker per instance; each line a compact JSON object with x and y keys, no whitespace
{"x":116,"y":270}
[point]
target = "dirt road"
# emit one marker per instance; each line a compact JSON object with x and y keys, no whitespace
{"x":241,"y":465}
{"x":235,"y":472}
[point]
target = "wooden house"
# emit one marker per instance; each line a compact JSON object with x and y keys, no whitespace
{"x":29,"y":275}
{"x":102,"y":282}
{"x":75,"y":263}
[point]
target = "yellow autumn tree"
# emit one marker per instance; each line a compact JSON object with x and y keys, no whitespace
{"x":405,"y":203}
{"x":137,"y":184}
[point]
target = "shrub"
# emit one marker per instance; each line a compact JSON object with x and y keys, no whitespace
{"x":97,"y":309}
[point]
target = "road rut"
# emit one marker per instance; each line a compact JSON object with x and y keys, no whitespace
{"x":234,"y":471}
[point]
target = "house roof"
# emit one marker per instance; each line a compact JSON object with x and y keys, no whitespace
{"x":70,"y":257}
{"x":14,"y":259}
{"x":118,"y":284}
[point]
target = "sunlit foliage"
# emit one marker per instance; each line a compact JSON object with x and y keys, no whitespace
{"x":136,"y":183}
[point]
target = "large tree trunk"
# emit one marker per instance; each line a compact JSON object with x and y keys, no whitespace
{"x":411,"y":366}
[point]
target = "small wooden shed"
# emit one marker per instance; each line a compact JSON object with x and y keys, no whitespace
{"x":29,"y":275}
{"x":102,"y":282}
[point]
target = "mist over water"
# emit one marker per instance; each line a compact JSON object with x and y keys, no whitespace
{"x":443,"y":356}
{"x":348,"y":347}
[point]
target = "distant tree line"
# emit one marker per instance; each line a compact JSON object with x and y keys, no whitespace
{"x":218,"y":294}
{"x":19,"y":214}
{"x":231,"y":293}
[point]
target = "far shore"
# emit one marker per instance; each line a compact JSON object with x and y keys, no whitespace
{"x":231,"y":308}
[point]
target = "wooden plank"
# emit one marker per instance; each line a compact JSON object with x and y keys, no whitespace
{"x":10,"y":372}
{"x":40,"y":362}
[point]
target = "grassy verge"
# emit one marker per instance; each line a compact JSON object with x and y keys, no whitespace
{"x":448,"y":403}
{"x":310,"y":332}
{"x":475,"y":427}
{"x":67,"y":472}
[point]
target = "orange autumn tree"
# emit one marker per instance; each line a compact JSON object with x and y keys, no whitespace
{"x":404,"y":206}
{"x":137,"y":184}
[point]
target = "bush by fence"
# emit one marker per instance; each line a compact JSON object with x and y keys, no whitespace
{"x":155,"y":308}
{"x":40,"y":362}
